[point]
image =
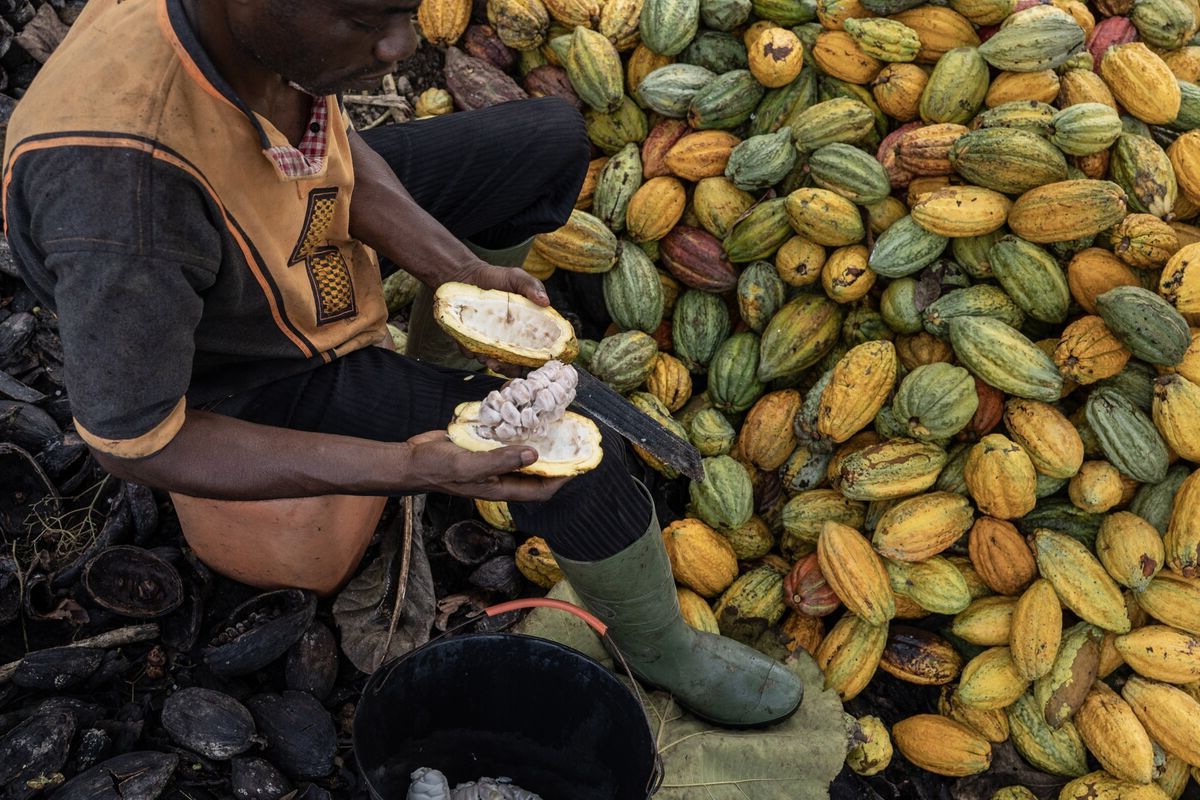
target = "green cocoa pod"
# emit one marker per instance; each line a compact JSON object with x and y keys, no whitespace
{"x":981,"y":300}
{"x":1145,"y":323}
{"x":759,"y":233}
{"x":799,"y":334}
{"x":1002,"y":357}
{"x":1164,"y":24}
{"x":725,"y":102}
{"x":667,"y":26}
{"x":761,"y":293}
{"x":1032,"y":278}
{"x":594,"y":69}
{"x":624,"y":360}
{"x":716,"y":51}
{"x":618,"y":180}
{"x":724,"y":15}
{"x":669,"y":90}
{"x":779,"y":104}
{"x":884,"y":39}
{"x":633,"y":293}
{"x":1140,"y":167}
{"x":849,"y":171}
{"x":1022,"y":115}
{"x":786,"y":13}
{"x":699,"y":324}
{"x":761,"y":161}
{"x":956,"y":87}
{"x":905,"y":248}
{"x":838,"y":120}
{"x":1085,"y":128}
{"x":935,"y":401}
{"x":1128,"y":438}
{"x":733,"y":383}
{"x":611,"y":132}
{"x":1007,"y":160}
{"x":1032,"y":42}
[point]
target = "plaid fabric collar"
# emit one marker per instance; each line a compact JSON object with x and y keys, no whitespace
{"x":309,"y":158}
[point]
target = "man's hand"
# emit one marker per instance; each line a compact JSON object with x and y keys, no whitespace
{"x":507,"y":279}
{"x":435,"y":464}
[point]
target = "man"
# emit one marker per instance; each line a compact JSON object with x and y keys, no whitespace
{"x":178,"y":187}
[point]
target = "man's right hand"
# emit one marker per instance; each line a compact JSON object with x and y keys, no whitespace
{"x":435,"y":464}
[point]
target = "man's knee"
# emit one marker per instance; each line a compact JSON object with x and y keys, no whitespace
{"x":562,"y":133}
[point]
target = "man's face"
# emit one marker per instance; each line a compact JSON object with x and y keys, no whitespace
{"x":326,"y":46}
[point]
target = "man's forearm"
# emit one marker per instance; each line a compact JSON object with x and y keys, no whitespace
{"x":384,"y":216}
{"x":230,"y":459}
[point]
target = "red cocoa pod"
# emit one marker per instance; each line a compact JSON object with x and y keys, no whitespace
{"x":551,"y":81}
{"x":481,"y":41}
{"x":696,"y":258}
{"x":475,"y":83}
{"x":662,"y":137}
{"x":886,"y":155}
{"x":1024,"y":4}
{"x":1108,"y":32}
{"x":1094,"y":166}
{"x":986,"y":32}
{"x":987,"y":413}
{"x":662,"y":335}
{"x":805,"y":589}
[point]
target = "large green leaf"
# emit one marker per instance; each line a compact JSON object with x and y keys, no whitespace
{"x":794,"y":760}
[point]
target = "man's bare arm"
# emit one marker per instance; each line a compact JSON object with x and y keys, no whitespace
{"x":225,"y":458}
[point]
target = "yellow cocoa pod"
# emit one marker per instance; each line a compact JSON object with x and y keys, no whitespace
{"x":776,"y":58}
{"x":1089,"y":351}
{"x":885,"y":213}
{"x":922,"y":348}
{"x":754,"y":31}
{"x":588,"y":190}
{"x":1111,"y":730}
{"x":907,"y":608}
{"x":442,"y":22}
{"x":849,"y":655}
{"x":1080,"y":580}
{"x":696,"y":611}
{"x":1048,"y":437}
{"x":961,"y":211}
{"x":1092,"y":272}
{"x":985,"y":12}
{"x":1184,"y":154}
{"x":898,"y":88}
{"x":846,"y":277}
{"x":520,"y":24}
{"x":1180,"y":280}
{"x":701,"y":155}
{"x":935,"y":584}
{"x":717,"y":203}
{"x":433,"y":102}
{"x":701,"y":559}
{"x":939,"y":29}
{"x":975,"y":583}
{"x":1174,"y":600}
{"x":655,"y":208}
{"x":799,"y":261}
{"x":1001,"y":556}
{"x":1077,"y":86}
{"x":802,"y":632}
{"x":872,"y":755}
{"x":767,"y":437}
{"x":1130,"y":549}
{"x":537,"y":564}
{"x":584,"y":244}
{"x":1141,"y":82}
{"x":1170,"y":715}
{"x":495,"y":513}
{"x":838,"y":55}
{"x":1000,"y":477}
{"x":832,"y":14}
{"x":990,"y":724}
{"x":1010,"y":87}
{"x":923,"y":526}
{"x":1102,"y":786}
{"x":941,"y":745}
{"x":537,"y":265}
{"x":861,"y":382}
{"x":986,"y":622}
{"x":1144,"y":241}
{"x":825,"y":217}
{"x":1184,"y":63}
{"x":752,"y":539}
{"x":1066,"y":210}
{"x":1189,"y":367}
{"x":575,"y":12}
{"x":1182,"y":539}
{"x":990,"y":680}
{"x":1162,"y":653}
{"x":1176,"y":411}
{"x":855,"y":573}
{"x":1096,"y":487}
{"x":1079,"y":12}
{"x":1036,"y":630}
{"x":670,"y":382}
{"x":1173,"y":776}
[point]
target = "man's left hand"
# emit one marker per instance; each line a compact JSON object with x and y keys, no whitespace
{"x":508,"y":279}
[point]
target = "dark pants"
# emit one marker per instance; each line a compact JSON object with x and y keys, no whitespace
{"x":497,"y":176}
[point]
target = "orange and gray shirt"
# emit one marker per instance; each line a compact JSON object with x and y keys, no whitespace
{"x":189,"y":250}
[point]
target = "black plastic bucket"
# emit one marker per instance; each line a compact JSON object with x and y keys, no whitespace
{"x":499,"y":704}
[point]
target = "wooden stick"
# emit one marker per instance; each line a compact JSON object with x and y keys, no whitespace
{"x":114,"y":638}
{"x":389,"y":100}
{"x":402,"y":589}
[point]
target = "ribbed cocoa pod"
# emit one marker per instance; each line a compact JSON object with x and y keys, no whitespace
{"x":482,"y":42}
{"x":551,"y":81}
{"x":941,"y":745}
{"x":697,"y":259}
{"x":444,"y":21}
{"x":475,"y":84}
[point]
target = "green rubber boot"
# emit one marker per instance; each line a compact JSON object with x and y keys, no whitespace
{"x":426,"y":339}
{"x":716,"y":678}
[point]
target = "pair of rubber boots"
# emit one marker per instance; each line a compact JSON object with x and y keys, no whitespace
{"x":633,"y":592}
